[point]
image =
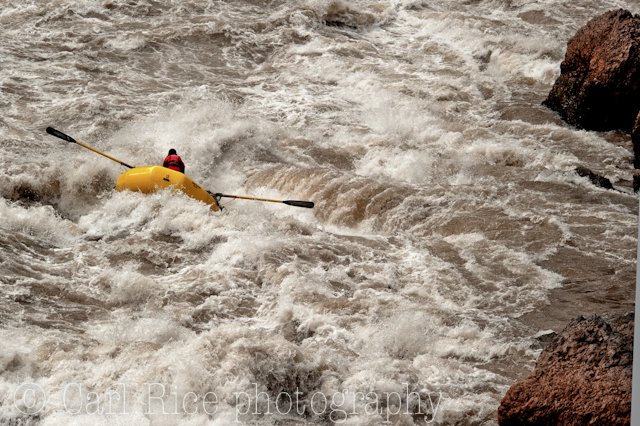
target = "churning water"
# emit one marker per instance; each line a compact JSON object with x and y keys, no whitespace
{"x":450,"y":226}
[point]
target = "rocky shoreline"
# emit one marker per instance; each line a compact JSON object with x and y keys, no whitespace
{"x":583,"y":376}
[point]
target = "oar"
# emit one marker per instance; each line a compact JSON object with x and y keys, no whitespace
{"x":59,"y":134}
{"x":306,"y":204}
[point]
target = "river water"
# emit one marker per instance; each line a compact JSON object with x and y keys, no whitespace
{"x":450,"y":229}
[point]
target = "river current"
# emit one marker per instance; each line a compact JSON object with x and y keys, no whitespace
{"x":450,"y":229}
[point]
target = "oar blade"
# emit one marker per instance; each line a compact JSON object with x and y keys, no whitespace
{"x":305,"y":204}
{"x":59,"y":134}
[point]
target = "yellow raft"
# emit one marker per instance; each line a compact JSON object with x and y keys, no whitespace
{"x":154,"y":178}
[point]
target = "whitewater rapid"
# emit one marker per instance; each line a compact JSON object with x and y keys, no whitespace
{"x":448,"y":216}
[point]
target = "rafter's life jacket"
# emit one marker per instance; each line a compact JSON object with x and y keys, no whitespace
{"x":173,"y":162}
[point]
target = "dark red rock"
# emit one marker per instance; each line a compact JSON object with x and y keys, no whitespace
{"x":599,"y":84}
{"x":595,"y":178}
{"x":635,"y":138}
{"x":583,"y":377}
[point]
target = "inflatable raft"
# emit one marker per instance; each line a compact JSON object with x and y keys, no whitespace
{"x":154,"y":178}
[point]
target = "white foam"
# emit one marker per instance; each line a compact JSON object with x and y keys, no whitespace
{"x":397,"y":277}
{"x":128,"y":42}
{"x":42,"y":222}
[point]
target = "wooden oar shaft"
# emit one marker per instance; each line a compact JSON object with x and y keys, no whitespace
{"x":65,"y":137}
{"x":242,"y":197}
{"x":305,"y":204}
{"x":104,"y":155}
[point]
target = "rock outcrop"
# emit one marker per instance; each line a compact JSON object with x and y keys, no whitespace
{"x":599,"y":84}
{"x":583,"y":377}
{"x":635,"y":138}
{"x":595,"y":178}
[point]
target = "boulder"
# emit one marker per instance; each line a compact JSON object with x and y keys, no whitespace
{"x":595,"y":178}
{"x":599,"y":85}
{"x":635,"y":138}
{"x":582,"y":377}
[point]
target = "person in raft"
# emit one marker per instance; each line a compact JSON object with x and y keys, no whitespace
{"x":173,"y":161}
